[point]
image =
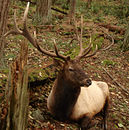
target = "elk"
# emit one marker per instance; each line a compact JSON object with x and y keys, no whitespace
{"x":74,"y":96}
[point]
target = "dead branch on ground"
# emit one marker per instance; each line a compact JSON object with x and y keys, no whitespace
{"x":116,"y":82}
{"x":112,"y":28}
{"x":59,"y":10}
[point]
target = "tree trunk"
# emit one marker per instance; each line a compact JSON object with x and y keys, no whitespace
{"x":72,"y":9}
{"x":125,"y":45}
{"x":4,"y":6}
{"x":43,"y":11}
{"x":17,"y":93}
{"x":89,"y":3}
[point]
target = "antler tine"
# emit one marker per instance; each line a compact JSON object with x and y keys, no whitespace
{"x":57,"y":53}
{"x":84,"y":52}
{"x":81,"y":48}
{"x":92,"y":54}
{"x":77,"y":35}
{"x":34,"y":40}
{"x":16,"y":30}
{"x":112,"y":39}
{"x":15,"y":24}
{"x":26,"y":13}
{"x":87,"y":51}
{"x":26,"y":33}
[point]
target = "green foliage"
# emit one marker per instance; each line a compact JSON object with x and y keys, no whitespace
{"x":96,"y":40}
{"x":62,"y":3}
{"x":98,"y":9}
{"x":74,"y":47}
{"x":65,"y":6}
{"x":10,"y":55}
{"x":18,"y":37}
{"x":81,"y":7}
{"x":115,"y":126}
{"x":108,"y":63}
{"x":3,"y":76}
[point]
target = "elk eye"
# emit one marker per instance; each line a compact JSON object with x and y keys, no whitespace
{"x":71,"y":69}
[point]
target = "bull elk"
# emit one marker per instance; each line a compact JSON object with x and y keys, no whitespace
{"x":74,"y":95}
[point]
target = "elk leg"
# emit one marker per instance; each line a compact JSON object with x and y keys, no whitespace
{"x":85,"y":123}
{"x":104,"y":114}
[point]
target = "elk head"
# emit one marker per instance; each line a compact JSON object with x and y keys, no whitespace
{"x":73,"y":72}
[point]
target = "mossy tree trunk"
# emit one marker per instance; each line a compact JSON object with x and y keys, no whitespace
{"x":43,"y":11}
{"x":17,"y":92}
{"x":125,"y":45}
{"x":4,"y":7}
{"x":72,"y":9}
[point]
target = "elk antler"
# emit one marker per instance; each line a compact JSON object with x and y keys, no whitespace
{"x":24,"y":32}
{"x":84,"y":52}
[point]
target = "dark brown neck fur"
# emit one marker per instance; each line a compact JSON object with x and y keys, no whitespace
{"x":65,"y":97}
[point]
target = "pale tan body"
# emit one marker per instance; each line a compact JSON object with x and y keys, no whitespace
{"x":50,"y":100}
{"x":91,"y":100}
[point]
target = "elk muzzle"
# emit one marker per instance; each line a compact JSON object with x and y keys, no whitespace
{"x":86,"y":82}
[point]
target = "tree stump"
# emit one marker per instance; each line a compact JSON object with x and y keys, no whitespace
{"x":17,"y":92}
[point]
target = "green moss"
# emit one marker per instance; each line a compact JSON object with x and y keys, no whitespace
{"x":41,"y":74}
{"x":96,"y":40}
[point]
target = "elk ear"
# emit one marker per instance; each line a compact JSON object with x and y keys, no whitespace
{"x":58,"y":63}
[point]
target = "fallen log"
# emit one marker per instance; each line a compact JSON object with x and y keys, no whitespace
{"x":112,"y":28}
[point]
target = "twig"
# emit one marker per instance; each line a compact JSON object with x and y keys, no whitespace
{"x":60,"y":11}
{"x":72,"y":41}
{"x":118,"y":84}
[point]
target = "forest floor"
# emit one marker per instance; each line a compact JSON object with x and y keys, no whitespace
{"x":110,"y":66}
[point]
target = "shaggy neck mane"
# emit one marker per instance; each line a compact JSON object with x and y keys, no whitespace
{"x":65,"y":96}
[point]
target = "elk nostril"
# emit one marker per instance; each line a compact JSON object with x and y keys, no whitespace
{"x":89,"y":82}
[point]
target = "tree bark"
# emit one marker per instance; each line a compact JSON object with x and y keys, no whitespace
{"x":43,"y":11}
{"x":72,"y":9}
{"x":17,"y":92}
{"x":125,"y":45}
{"x":4,"y":7}
{"x":89,"y":3}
